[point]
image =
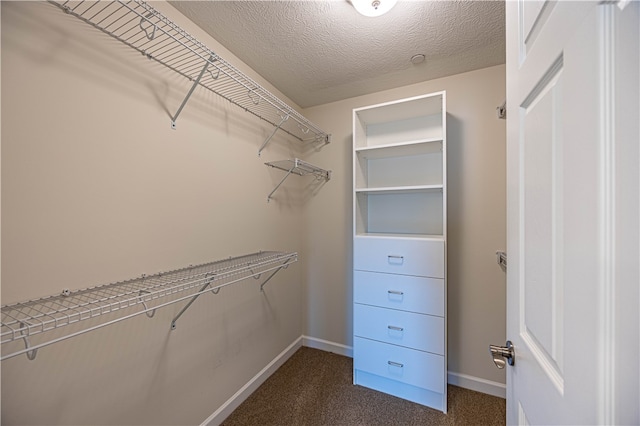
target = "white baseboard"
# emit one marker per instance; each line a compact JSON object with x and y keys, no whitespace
{"x":238,"y":398}
{"x":327,"y":346}
{"x":477,"y":384}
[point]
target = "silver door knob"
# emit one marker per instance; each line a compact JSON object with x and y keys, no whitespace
{"x":503,"y":354}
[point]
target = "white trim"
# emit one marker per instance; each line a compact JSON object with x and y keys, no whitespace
{"x":607,"y":219}
{"x":327,"y":346}
{"x":477,"y":384}
{"x":243,"y":393}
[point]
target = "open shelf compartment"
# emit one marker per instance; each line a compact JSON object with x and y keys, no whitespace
{"x":400,"y":122}
{"x":415,"y":164}
{"x":400,"y":212}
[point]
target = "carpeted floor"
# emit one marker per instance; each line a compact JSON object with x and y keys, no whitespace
{"x":316,"y":388}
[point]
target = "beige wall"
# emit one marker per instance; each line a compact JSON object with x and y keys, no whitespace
{"x":96,"y":188}
{"x":476,"y":220}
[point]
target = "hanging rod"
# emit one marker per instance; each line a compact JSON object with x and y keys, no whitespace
{"x":141,"y":27}
{"x":125,"y":299}
{"x":298,"y":167}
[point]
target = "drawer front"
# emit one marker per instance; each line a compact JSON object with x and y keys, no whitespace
{"x":407,"y":293}
{"x":409,"y":366}
{"x":407,"y":256}
{"x":416,"y":331}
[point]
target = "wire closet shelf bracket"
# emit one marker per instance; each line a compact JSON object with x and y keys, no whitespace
{"x":297,"y":167}
{"x":141,"y":27}
{"x":126,"y":299}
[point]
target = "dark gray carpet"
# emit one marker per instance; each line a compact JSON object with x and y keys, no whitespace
{"x":316,"y":388}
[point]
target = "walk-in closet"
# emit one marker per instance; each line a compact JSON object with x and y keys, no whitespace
{"x":187,"y":218}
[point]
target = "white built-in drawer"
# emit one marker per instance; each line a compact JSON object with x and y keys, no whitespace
{"x":409,"y":366}
{"x":416,"y":331}
{"x":397,"y":255}
{"x":408,"y":293}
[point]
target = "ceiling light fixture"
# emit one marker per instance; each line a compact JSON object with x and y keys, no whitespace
{"x":373,"y":8}
{"x":417,"y":59}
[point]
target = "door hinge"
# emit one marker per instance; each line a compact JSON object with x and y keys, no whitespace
{"x":502,"y":110}
{"x":502,"y":259}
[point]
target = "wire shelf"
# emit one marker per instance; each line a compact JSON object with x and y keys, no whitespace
{"x":148,"y":293}
{"x":141,"y":27}
{"x":297,"y":167}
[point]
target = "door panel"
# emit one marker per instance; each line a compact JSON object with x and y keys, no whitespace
{"x":541,"y":186}
{"x":572,"y":113}
{"x":533,"y":14}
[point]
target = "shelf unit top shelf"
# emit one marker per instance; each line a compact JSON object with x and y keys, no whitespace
{"x":417,"y":106}
{"x":141,"y":27}
{"x":144,"y":294}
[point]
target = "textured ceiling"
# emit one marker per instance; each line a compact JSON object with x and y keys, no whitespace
{"x":322,"y":51}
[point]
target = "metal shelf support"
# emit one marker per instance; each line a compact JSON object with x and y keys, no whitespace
{"x":193,"y":299}
{"x":285,"y":265}
{"x":285,"y":118}
{"x":298,"y":167}
{"x":193,"y":87}
{"x":281,"y":182}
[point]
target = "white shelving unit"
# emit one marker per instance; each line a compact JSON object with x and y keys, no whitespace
{"x":47,"y":320}
{"x":400,"y":198}
{"x":139,"y":26}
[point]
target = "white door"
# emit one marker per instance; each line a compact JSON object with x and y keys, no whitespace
{"x":573,"y":212}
